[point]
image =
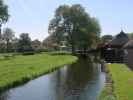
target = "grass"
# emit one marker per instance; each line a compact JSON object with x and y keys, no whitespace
{"x":107,"y":93}
{"x":21,"y":69}
{"x":122,"y":78}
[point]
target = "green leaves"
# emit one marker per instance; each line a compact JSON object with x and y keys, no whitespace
{"x":77,"y":23}
{"x":24,"y":43}
{"x":3,"y":12}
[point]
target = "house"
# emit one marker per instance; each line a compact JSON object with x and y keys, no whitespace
{"x":50,"y":43}
{"x":113,"y":51}
{"x":128,"y":47}
{"x":120,"y":40}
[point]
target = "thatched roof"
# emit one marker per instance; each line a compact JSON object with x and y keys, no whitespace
{"x":129,"y":44}
{"x":120,"y":40}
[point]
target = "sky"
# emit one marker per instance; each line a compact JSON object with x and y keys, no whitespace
{"x":33,"y":16}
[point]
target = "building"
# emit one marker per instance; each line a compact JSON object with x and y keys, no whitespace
{"x":113,"y":51}
{"x":128,"y":48}
{"x":50,"y":43}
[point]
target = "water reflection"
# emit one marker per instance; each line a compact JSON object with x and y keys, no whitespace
{"x":4,"y":96}
{"x":79,"y":81}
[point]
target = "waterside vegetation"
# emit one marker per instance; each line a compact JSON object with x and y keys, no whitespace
{"x":122,"y":81}
{"x":20,"y":69}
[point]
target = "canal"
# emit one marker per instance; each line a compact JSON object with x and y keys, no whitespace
{"x":80,"y":81}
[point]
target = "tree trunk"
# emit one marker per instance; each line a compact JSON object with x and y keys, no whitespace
{"x":84,"y":50}
{"x":72,"y":43}
{"x":73,"y":49}
{"x":7,"y":46}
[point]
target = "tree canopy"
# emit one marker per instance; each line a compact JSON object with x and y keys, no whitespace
{"x":8,"y":36}
{"x":106,"y":38}
{"x":3,"y":12}
{"x":74,"y":24}
{"x":130,"y":35}
{"x":24,"y":43}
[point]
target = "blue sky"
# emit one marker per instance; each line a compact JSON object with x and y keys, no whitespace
{"x":33,"y":16}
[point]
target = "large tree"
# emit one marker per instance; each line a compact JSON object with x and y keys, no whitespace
{"x":24,"y":43}
{"x":8,"y":36}
{"x":106,"y":38}
{"x":3,"y":11}
{"x":3,"y":14}
{"x":3,"y":18}
{"x":81,"y":29}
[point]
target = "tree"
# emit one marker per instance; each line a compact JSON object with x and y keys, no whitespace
{"x":24,"y":43}
{"x":3,"y":12}
{"x":106,"y":38}
{"x":8,"y":36}
{"x":130,"y":35}
{"x":3,"y":19}
{"x":82,"y":30}
{"x":15,"y":44}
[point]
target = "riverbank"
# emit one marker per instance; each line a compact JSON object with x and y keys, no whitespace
{"x":82,"y":79}
{"x":20,"y":69}
{"x":122,"y":83}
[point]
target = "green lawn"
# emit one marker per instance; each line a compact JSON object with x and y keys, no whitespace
{"x":123,"y":81}
{"x":19,"y":69}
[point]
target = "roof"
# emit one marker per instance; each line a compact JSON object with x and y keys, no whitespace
{"x":120,"y":40}
{"x":129,"y":44}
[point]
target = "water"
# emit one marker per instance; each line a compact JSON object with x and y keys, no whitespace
{"x":79,"y":81}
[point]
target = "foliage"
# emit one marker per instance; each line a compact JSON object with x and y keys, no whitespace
{"x":108,"y":91}
{"x":105,"y":95}
{"x":60,"y":53}
{"x":106,"y":38}
{"x":72,"y":23}
{"x":130,"y":35}
{"x":8,"y":36}
{"x":2,"y":47}
{"x":3,"y":12}
{"x":28,"y":53}
{"x":123,"y":81}
{"x":23,"y":68}
{"x":24,"y":43}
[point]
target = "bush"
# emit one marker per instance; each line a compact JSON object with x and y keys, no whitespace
{"x":28,"y":53}
{"x":60,"y":53}
{"x":40,"y":51}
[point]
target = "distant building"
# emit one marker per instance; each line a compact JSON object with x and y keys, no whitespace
{"x":63,"y":46}
{"x":128,"y":47}
{"x":113,"y":51}
{"x":120,"y":40}
{"x":36,"y":45}
{"x":50,"y":43}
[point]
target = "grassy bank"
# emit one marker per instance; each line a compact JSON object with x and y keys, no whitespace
{"x":20,"y":69}
{"x":122,"y":82}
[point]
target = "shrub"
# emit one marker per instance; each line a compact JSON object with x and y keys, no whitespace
{"x":28,"y":53}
